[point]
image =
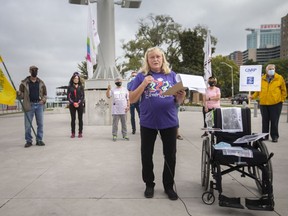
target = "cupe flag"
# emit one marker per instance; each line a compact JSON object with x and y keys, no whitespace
{"x":7,"y":92}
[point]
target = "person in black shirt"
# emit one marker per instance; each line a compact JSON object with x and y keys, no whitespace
{"x":75,"y":94}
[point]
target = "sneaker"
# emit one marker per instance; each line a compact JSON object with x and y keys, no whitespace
{"x":275,"y":140}
{"x":72,"y":135}
{"x":133,"y":131}
{"x":114,"y":138}
{"x":80,"y":135}
{"x":126,"y":138}
{"x":204,"y":135}
{"x":40,"y":143}
{"x":179,"y":137}
{"x":27,"y":145}
{"x":172,"y":195}
{"x":149,"y":192}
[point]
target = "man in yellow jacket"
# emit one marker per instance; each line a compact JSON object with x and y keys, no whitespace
{"x":271,"y":97}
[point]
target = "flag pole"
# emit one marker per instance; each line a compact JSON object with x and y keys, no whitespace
{"x":29,"y":120}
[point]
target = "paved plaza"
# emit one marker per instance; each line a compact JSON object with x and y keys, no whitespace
{"x":96,"y":176}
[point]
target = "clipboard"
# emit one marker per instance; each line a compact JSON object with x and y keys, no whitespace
{"x":184,"y":81}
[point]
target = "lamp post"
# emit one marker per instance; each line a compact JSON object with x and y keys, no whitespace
{"x":232,"y":85}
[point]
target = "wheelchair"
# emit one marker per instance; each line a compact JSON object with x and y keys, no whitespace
{"x":219,"y":162}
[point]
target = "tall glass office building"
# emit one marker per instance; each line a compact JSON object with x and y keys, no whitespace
{"x":269,"y":35}
{"x":284,"y":37}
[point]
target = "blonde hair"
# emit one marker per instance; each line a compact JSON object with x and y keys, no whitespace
{"x":165,"y":65}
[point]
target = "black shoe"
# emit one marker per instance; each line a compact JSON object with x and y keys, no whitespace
{"x":275,"y":140}
{"x":40,"y":143}
{"x":172,"y":195}
{"x":133,"y":131}
{"x":27,"y":145}
{"x":149,"y":192}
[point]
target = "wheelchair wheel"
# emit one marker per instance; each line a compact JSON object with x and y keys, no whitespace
{"x":205,"y":163}
{"x":208,"y":198}
{"x":261,"y":146}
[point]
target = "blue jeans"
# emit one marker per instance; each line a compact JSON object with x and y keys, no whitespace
{"x":132,"y":113}
{"x":37,"y":110}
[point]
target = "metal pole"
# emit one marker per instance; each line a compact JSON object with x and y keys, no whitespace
{"x":232,"y":87}
{"x":232,"y":80}
{"x":25,"y":113}
{"x":286,"y":111}
{"x":255,"y":108}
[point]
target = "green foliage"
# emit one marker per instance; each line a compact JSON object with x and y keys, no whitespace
{"x":223,"y":74}
{"x":281,"y":67}
{"x":183,"y":49}
{"x":250,"y":62}
{"x":82,"y":67}
{"x":155,"y":30}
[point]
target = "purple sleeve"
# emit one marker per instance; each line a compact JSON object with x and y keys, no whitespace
{"x":137,"y":81}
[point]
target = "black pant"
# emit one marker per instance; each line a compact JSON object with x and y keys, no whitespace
{"x":73,"y":117}
{"x":270,"y":117}
{"x":148,"y":137}
{"x":132,"y":113}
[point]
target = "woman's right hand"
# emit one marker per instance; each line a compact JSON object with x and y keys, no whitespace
{"x":76,"y":105}
{"x":147,"y":80}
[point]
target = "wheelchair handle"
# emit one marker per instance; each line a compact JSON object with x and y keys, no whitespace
{"x":270,"y":156}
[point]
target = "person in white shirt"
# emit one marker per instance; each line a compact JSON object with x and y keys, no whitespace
{"x":120,"y":107}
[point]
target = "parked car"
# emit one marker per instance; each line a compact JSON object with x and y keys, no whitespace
{"x":240,"y":98}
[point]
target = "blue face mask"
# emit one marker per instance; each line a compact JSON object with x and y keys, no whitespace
{"x":271,"y":72}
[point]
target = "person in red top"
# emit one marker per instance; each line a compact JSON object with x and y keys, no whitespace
{"x":75,"y":95}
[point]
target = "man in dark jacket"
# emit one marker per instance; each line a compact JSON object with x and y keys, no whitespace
{"x":34,"y":94}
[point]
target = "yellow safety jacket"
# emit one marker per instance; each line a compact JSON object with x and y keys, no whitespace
{"x":273,"y":92}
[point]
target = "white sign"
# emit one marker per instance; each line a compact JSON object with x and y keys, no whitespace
{"x":184,"y":81}
{"x":250,"y":78}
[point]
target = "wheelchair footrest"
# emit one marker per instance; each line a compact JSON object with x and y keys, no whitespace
{"x":263,"y":204}
{"x":230,"y":202}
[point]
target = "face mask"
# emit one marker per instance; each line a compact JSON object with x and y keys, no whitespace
{"x":271,"y":72}
{"x":34,"y":73}
{"x":118,"y":83}
{"x":211,"y":83}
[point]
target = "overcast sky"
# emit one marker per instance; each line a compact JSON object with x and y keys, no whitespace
{"x":51,"y":34}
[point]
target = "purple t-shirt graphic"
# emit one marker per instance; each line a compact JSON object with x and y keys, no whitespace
{"x":157,"y":111}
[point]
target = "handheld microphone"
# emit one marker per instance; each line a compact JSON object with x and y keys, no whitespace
{"x":149,"y":85}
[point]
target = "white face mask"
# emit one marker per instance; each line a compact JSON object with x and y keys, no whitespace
{"x":271,"y":72}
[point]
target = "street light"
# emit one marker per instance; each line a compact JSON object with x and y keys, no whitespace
{"x":232,"y":86}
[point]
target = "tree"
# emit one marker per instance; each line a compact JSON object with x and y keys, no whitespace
{"x":83,"y":69}
{"x":281,"y":67}
{"x":192,"y":53}
{"x":192,"y":44}
{"x":158,"y":30}
{"x":223,"y":75}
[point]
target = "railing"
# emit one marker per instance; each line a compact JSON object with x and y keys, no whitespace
{"x":4,"y":109}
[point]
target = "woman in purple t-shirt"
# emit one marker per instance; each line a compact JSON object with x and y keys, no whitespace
{"x":158,"y":116}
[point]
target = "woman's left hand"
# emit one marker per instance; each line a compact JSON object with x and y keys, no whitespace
{"x":180,"y":95}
